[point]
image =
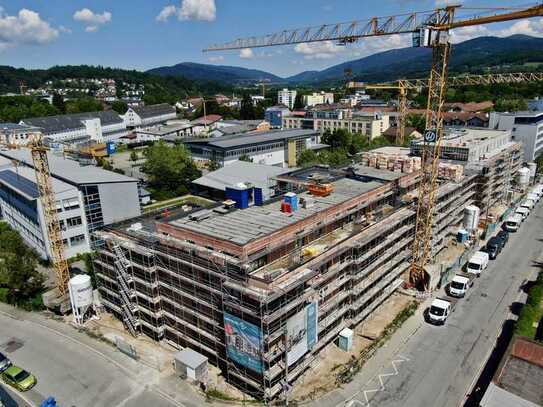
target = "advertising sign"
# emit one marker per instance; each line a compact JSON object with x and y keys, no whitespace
{"x":302,"y":333}
{"x":111,"y":148}
{"x":243,"y":342}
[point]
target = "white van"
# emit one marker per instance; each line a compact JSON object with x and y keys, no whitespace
{"x":523,"y":212}
{"x":512,"y":223}
{"x":532,"y":196}
{"x":477,"y":263}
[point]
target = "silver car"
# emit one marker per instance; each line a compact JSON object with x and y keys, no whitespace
{"x":4,"y":362}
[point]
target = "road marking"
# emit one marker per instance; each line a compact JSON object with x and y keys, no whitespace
{"x":353,"y":402}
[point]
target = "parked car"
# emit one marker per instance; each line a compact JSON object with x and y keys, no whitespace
{"x":4,"y":362}
{"x":503,"y":235}
{"x":494,"y":247}
{"x":19,"y":378}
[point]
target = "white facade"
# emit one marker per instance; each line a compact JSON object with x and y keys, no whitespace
{"x":24,"y":213}
{"x":318,"y":99}
{"x":257,"y":99}
{"x":272,"y":157}
{"x":16,"y":134}
{"x":286,"y":97}
{"x":525,"y":127}
{"x":93,"y":127}
{"x":135,"y":117}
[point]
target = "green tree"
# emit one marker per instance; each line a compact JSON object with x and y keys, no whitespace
{"x":510,"y":105}
{"x":21,"y":282}
{"x":58,"y":102}
{"x":246,"y":158}
{"x":119,"y":106}
{"x":134,"y":156}
{"x":170,"y":170}
{"x":213,"y":165}
{"x":247,"y":109}
{"x":340,"y":138}
{"x":84,"y":105}
{"x":298,"y":102}
{"x":416,"y":121}
{"x":308,"y":158}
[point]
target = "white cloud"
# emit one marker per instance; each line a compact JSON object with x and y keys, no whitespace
{"x":26,"y":27}
{"x":91,"y":19}
{"x":532,"y":27}
{"x":445,"y":3}
{"x":64,"y":29}
{"x":216,"y":59}
{"x":246,"y":53}
{"x":318,"y":50}
{"x":201,"y":10}
{"x":166,"y":13}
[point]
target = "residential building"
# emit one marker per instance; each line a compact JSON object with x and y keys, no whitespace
{"x":23,"y":211}
{"x":322,"y":98}
{"x":517,"y":380}
{"x":107,"y":197}
{"x":148,"y":115}
{"x":17,"y":134}
{"x":257,"y":99}
{"x":287,"y":98}
{"x":277,"y":147}
{"x":274,"y":115}
{"x":353,"y":100}
{"x":525,"y":127}
{"x":492,"y":154}
{"x":80,"y":127}
{"x":232,"y":283}
{"x":215,"y":183}
{"x":371,"y":125}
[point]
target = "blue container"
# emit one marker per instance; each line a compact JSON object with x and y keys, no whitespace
{"x":259,"y":199}
{"x":292,"y":199}
{"x":462,"y":236}
{"x":240,"y":196}
{"x":111,"y":147}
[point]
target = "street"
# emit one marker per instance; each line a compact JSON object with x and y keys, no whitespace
{"x":73,"y":372}
{"x":436,"y":365}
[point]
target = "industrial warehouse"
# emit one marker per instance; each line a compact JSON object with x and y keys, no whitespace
{"x":260,"y":290}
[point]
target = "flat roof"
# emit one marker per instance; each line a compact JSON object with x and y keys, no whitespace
{"x":377,"y":174}
{"x":468,"y":137}
{"x":392,"y":150}
{"x":23,"y":180}
{"x":243,"y":226}
{"x":240,"y":171}
{"x":69,"y":170}
{"x":258,"y":138}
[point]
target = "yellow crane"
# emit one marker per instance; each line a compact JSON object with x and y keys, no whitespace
{"x":429,"y":29}
{"x":403,"y":86}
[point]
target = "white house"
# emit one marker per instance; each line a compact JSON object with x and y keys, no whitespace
{"x":148,"y":115}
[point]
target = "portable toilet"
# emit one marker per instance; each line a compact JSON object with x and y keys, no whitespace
{"x":258,"y":196}
{"x":292,"y":199}
{"x":238,"y":193}
{"x":462,"y":236}
{"x":345,"y":339}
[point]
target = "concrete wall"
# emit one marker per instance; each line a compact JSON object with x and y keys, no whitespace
{"x":119,"y":201}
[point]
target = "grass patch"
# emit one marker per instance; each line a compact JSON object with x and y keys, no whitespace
{"x":532,"y":312}
{"x":349,"y":370}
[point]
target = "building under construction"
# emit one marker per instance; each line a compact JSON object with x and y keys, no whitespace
{"x":261,"y":290}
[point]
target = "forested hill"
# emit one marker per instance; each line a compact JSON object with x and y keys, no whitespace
{"x":157,"y":88}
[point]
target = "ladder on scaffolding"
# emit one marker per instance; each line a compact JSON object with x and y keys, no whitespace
{"x":127,"y":293}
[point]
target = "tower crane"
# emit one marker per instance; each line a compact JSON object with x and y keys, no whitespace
{"x":429,"y":29}
{"x":46,"y":193}
{"x":405,"y":85}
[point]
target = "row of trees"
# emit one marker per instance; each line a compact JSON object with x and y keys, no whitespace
{"x":20,"y":282}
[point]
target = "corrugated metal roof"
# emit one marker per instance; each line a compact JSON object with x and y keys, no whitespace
{"x":54,"y":124}
{"x":260,"y":137}
{"x":146,"y":112}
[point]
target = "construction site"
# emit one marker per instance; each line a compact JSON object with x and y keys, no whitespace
{"x":261,"y":290}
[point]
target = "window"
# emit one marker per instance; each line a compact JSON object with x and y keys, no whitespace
{"x":70,"y":204}
{"x":73,"y":222}
{"x":77,"y":240}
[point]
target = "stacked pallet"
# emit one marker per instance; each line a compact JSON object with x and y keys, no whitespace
{"x":404,"y":164}
{"x":452,"y":172}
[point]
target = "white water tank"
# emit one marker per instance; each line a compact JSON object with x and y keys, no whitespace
{"x":523,"y":176}
{"x":80,"y":291}
{"x":471,"y":218}
{"x":533,"y":169}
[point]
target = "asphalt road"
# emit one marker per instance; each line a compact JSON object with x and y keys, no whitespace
{"x":436,"y":366}
{"x":73,"y":373}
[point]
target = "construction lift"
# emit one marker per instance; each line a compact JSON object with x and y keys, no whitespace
{"x":429,"y":29}
{"x":403,"y":86}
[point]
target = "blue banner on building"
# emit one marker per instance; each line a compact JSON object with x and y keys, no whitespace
{"x":243,"y":342}
{"x":111,"y":148}
{"x":312,"y":321}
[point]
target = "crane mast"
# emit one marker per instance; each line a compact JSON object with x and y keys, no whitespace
{"x":429,"y":29}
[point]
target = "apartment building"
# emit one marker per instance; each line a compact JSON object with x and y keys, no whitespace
{"x":371,"y":125}
{"x":318,"y":98}
{"x":287,"y":98}
{"x":238,"y":284}
{"x":525,"y":127}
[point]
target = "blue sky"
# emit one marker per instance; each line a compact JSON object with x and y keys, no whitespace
{"x":142,"y":34}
